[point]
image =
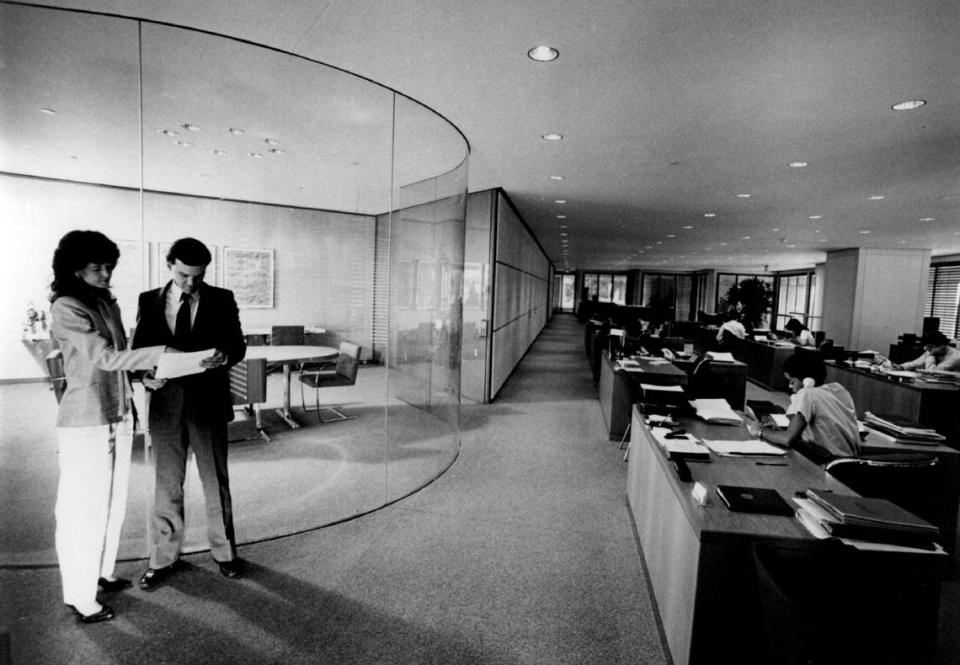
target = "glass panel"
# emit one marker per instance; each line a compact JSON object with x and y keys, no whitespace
{"x":605,"y":287}
{"x":620,"y":289}
{"x":590,"y":283}
{"x":69,"y":136}
{"x":569,"y":296}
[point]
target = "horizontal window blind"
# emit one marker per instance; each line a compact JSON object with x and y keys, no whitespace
{"x":943,"y":297}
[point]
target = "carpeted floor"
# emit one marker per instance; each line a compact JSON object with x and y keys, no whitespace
{"x":302,"y":479}
{"x":522,"y":552}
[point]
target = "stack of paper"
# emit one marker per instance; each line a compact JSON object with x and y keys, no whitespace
{"x":682,"y":446}
{"x":869,"y":518}
{"x":902,"y":430}
{"x":716,"y":411}
{"x":744,"y":448}
{"x":720,"y":356}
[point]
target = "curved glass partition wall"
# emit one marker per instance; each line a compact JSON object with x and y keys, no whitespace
{"x":328,"y":201}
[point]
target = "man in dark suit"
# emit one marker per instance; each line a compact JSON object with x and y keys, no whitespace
{"x":191,"y":411}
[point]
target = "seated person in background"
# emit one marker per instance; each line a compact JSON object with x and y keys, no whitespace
{"x":733,"y":326}
{"x":800,"y":334}
{"x":937,"y":354}
{"x":823,"y":419}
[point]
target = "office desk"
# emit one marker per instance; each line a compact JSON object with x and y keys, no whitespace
{"x":764,"y":361}
{"x":700,"y":558}
{"x":618,"y":389}
{"x":290,"y":355}
{"x":726,"y":380}
{"x":935,"y":405}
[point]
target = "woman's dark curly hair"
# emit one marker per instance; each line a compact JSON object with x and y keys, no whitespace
{"x":75,"y":250}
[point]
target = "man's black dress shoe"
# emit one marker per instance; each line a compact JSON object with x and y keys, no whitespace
{"x":118,"y":584}
{"x":231,"y":569}
{"x":154,"y":577}
{"x":105,"y":614}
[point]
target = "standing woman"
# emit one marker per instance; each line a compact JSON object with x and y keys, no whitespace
{"x":94,"y":423}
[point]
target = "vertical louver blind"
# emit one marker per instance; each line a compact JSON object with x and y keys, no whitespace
{"x":943,"y":297}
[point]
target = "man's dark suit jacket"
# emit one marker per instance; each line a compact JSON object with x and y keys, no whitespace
{"x":217,"y":325}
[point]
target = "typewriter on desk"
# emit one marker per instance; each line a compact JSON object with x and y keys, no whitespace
{"x":767,"y":413}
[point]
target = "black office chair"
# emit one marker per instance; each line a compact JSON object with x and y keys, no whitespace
{"x":286,"y":335}
{"x":824,"y":603}
{"x":331,"y":375}
{"x":58,"y":379}
{"x":248,"y":388}
{"x":910,"y":480}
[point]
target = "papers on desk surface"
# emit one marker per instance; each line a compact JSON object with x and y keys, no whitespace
{"x":172,"y":365}
{"x":899,"y":373}
{"x":716,"y":411}
{"x":721,"y":356}
{"x":744,"y":448}
{"x":685,"y":445}
{"x":649,"y":387}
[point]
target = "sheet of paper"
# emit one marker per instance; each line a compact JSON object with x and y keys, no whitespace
{"x":687,"y":444}
{"x":666,"y":389}
{"x":751,"y":447}
{"x":721,"y":356}
{"x":780,"y":419}
{"x":172,"y":365}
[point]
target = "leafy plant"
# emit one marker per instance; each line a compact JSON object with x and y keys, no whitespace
{"x":753,"y":297}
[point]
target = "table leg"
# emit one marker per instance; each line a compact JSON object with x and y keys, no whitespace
{"x":285,"y":411}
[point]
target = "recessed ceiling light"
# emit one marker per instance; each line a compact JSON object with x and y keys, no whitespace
{"x":48,"y":111}
{"x":743,"y":196}
{"x":543,"y":53}
{"x":671,"y":235}
{"x":556,"y":177}
{"x":185,"y":144}
{"x":552,"y":137}
{"x":865,"y":232}
{"x":928,"y":219}
{"x":709,"y":214}
{"x":877,"y":198}
{"x":791,"y":246}
{"x":797,"y":165}
{"x":256,"y":155}
{"x":220,"y":152}
{"x":236,"y":131}
{"x":815,"y":217}
{"x":190,"y":128}
{"x":276,"y":151}
{"x":745,"y":238}
{"x":909,"y":105}
{"x":271,"y":141}
{"x":723,"y":244}
{"x":774,"y":230}
{"x":659,"y":242}
{"x":822,"y":240}
{"x":168,"y":132}
{"x":688,"y":227}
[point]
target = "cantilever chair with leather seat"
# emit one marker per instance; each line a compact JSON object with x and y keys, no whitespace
{"x":331,"y":374}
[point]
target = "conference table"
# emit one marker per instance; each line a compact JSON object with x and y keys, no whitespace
{"x":700,"y":558}
{"x":289,"y":355}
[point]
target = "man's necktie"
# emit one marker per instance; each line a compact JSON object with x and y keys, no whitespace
{"x":181,"y":332}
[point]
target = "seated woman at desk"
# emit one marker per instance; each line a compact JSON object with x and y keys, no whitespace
{"x":937,"y":355}
{"x":823,"y":420}
{"x":800,"y":334}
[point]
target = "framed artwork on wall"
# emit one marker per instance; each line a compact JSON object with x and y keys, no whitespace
{"x":249,"y":274}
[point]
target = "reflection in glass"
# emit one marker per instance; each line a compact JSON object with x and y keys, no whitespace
{"x":356,"y":193}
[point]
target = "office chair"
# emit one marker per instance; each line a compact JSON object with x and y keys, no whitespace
{"x":248,"y":388}
{"x":826,"y":603}
{"x":58,"y":379}
{"x":286,"y":335}
{"x":913,"y":481}
{"x":331,"y":375}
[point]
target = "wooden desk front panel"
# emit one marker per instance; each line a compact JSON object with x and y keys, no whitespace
{"x":931,"y":404}
{"x":764,"y":362}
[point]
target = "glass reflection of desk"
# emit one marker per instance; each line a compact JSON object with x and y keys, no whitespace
{"x":290,"y":355}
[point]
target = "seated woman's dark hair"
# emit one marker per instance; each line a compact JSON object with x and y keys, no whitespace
{"x":190,"y":251}
{"x":794,"y":326}
{"x":806,"y":364}
{"x":75,"y":250}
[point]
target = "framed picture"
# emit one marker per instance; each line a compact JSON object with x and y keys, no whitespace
{"x":249,"y":274}
{"x":162,"y":275}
